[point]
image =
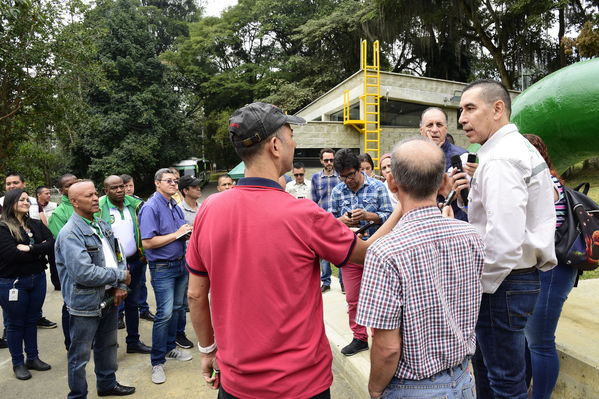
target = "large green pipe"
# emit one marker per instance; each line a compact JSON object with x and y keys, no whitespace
{"x":563,"y":108}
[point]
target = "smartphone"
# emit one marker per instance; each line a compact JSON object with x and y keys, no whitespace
{"x":364,"y":228}
{"x":471,"y":158}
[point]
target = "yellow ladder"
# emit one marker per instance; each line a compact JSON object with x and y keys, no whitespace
{"x":370,"y":124}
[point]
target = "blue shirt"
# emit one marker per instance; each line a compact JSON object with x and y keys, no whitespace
{"x":372,"y":197}
{"x":322,"y":185}
{"x":159,"y":217}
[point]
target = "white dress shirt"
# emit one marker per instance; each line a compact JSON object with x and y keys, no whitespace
{"x":299,"y":190}
{"x":511,"y":207}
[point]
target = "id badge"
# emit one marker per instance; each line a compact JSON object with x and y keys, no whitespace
{"x":13,"y":295}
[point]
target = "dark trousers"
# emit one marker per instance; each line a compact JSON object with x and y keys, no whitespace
{"x":222,"y":394}
{"x":20,"y":316}
{"x":137,"y":269}
{"x":500,"y":361}
{"x":53,"y":272}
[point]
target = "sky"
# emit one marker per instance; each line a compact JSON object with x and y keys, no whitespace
{"x":214,"y":7}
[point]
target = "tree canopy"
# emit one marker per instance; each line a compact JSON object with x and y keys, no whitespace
{"x":127,"y":86}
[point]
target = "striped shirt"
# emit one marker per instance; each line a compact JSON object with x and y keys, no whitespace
{"x":560,"y":204}
{"x":424,"y":278}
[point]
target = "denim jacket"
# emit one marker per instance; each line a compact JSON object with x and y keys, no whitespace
{"x":81,"y":266}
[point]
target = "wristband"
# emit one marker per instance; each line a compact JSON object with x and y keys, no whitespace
{"x":207,"y":349}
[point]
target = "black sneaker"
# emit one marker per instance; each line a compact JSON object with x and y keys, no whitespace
{"x":42,"y":322}
{"x":3,"y":343}
{"x":355,"y":346}
{"x":325,"y":288}
{"x":149,"y":316}
{"x":183,"y":342}
{"x":121,"y":324}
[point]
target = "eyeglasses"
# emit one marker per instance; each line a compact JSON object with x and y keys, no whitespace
{"x":328,"y":160}
{"x":349,"y":175}
{"x":170,"y":181}
{"x":298,"y":174}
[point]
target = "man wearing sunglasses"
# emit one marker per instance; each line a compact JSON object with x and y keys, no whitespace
{"x":357,"y":200}
{"x":323,"y":183}
{"x":300,"y":188}
{"x":163,"y":233}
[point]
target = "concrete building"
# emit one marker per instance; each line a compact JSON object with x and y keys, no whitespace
{"x":403,"y":98}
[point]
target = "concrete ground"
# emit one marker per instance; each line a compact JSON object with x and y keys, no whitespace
{"x":183,"y":378}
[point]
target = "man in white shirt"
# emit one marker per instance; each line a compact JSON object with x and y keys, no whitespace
{"x":300,"y":187}
{"x":510,"y":204}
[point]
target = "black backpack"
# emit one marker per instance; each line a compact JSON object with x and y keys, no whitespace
{"x":577,"y":239}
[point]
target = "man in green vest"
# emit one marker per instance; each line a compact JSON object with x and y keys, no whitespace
{"x":120,"y":211}
{"x":59,"y":218}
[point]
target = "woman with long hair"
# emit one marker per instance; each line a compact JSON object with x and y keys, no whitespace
{"x":24,"y":242}
{"x":367,"y":166}
{"x":556,"y":284}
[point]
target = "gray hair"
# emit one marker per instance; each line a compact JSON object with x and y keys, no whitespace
{"x":158,"y":175}
{"x":433,"y":109}
{"x":418,"y":176}
{"x":492,"y":91}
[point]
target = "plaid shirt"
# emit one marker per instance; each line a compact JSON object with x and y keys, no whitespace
{"x":424,"y":278}
{"x":322,"y":185}
{"x":372,"y":197}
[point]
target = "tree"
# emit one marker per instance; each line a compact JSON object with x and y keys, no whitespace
{"x":135,"y":123}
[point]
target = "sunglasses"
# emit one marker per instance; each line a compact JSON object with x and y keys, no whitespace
{"x":298,"y":174}
{"x":348,"y":176}
{"x":170,"y":181}
{"x":328,"y":160}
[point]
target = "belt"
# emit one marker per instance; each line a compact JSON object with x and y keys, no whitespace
{"x":167,"y":260}
{"x":523,"y":271}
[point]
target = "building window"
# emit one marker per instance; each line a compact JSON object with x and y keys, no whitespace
{"x":457,"y":118}
{"x":401,"y":113}
{"x":354,"y":113}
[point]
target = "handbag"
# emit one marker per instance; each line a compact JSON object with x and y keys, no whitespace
{"x":577,"y":239}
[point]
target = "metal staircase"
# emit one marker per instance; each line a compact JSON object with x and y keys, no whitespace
{"x":370,"y":124}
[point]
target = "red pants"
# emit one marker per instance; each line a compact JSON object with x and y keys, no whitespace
{"x":352,"y":279}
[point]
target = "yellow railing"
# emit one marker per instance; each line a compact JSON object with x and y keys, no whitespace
{"x":369,"y":125}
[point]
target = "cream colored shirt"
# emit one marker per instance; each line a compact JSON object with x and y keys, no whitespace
{"x":511,"y":207}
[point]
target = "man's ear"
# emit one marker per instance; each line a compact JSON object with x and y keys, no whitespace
{"x":499,"y":110}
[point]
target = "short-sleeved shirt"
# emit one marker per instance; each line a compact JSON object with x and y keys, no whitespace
{"x":424,"y":278}
{"x":260,"y":248}
{"x":188,"y":213}
{"x":159,"y":217}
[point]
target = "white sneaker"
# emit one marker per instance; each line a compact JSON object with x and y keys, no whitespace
{"x":178,"y":354}
{"x":158,"y":375}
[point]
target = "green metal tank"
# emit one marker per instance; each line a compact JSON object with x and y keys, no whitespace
{"x":563,"y":109}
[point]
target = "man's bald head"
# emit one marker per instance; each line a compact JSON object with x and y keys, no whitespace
{"x":112,"y":179}
{"x":418,"y":166}
{"x":84,"y":198}
{"x":115,"y":189}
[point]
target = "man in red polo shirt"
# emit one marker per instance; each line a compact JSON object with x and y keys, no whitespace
{"x":256,"y":249}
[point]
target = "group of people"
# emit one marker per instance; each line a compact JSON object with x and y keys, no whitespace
{"x":441,"y":287}
{"x":100,"y":247}
{"x":438,"y":285}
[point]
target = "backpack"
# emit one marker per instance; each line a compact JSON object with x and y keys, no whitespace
{"x":577,"y":239}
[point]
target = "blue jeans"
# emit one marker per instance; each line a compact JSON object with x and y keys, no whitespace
{"x":99,"y":333}
{"x":542,"y":360}
{"x":21,"y":316}
{"x":455,"y":383}
{"x":169,"y":280}
{"x":142,"y":295}
{"x":325,"y":276}
{"x":500,"y":361}
{"x":137,"y":269}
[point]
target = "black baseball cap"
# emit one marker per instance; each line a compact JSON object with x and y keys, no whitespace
{"x":255,"y":122}
{"x":188,"y":181}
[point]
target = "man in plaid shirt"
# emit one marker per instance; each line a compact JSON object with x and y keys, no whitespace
{"x":357,"y":200}
{"x":421,"y":287}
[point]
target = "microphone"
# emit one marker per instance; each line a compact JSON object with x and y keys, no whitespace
{"x":456,"y":162}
